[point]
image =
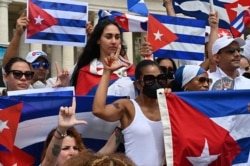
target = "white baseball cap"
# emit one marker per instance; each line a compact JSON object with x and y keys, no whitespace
{"x":225,"y":41}
{"x":33,"y":55}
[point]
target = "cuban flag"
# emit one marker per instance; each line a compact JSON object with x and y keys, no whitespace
{"x":238,"y":13}
{"x":233,"y":14}
{"x":137,"y":6}
{"x":127,"y":22}
{"x":201,"y":8}
{"x":57,"y":22}
{"x":206,"y":128}
{"x":190,"y":40}
{"x":40,"y":114}
{"x":9,"y":118}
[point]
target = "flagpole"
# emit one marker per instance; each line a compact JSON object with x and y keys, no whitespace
{"x":211,"y":6}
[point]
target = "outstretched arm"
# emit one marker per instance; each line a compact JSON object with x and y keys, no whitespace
{"x":66,"y":119}
{"x":13,"y":48}
{"x":110,"y":112}
{"x":214,"y":24}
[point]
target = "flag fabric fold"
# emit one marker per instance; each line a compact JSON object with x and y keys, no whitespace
{"x":57,"y":23}
{"x":206,"y":128}
{"x":16,"y":157}
{"x":238,"y":13}
{"x":137,"y":6}
{"x":233,"y":15}
{"x":9,"y":118}
{"x":127,"y":22}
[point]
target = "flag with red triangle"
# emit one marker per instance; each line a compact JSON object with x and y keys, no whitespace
{"x":16,"y":157}
{"x":158,"y":34}
{"x":9,"y":119}
{"x":39,"y":20}
{"x":212,"y":131}
{"x":57,"y":22}
{"x":238,"y":13}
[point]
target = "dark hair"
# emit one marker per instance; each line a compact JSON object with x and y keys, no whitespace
{"x":158,"y":60}
{"x":141,"y":65}
{"x":72,"y":132}
{"x":10,"y":63}
{"x":175,"y":87}
{"x":92,"y":49}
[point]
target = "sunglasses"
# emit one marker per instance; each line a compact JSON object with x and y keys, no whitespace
{"x":169,"y":71}
{"x":247,"y":68}
{"x":37,"y":65}
{"x":232,"y":50}
{"x":149,"y":80}
{"x":205,"y":79}
{"x":19,"y":74}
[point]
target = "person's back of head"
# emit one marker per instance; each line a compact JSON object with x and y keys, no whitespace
{"x":85,"y":158}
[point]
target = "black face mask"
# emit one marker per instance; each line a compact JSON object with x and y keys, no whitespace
{"x":247,"y":75}
{"x":150,"y":91}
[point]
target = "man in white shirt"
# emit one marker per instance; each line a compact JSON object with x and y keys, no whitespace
{"x":227,"y":53}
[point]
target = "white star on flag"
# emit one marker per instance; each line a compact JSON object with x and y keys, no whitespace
{"x":3,"y":125}
{"x":240,"y":9}
{"x":158,"y":35}
{"x":205,"y":158}
{"x":39,"y":20}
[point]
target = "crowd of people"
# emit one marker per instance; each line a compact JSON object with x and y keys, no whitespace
{"x":104,"y":69}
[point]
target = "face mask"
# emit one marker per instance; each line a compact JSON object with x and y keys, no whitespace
{"x":150,"y":91}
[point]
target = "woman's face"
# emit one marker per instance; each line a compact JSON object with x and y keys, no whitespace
{"x":198,"y":83}
{"x":109,"y":40}
{"x":69,"y":149}
{"x":16,"y":83}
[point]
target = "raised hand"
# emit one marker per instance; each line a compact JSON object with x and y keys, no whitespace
{"x":66,"y":118}
{"x":62,"y":77}
{"x":22,"y":23}
{"x":112,"y":62}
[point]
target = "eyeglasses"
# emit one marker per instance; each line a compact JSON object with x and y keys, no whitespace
{"x":19,"y":74}
{"x":36,"y":65}
{"x":247,"y":68}
{"x":149,"y":80}
{"x":205,"y":79}
{"x":232,"y":50}
{"x":169,"y":71}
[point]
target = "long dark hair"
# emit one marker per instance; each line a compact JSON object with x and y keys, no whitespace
{"x":92,"y":49}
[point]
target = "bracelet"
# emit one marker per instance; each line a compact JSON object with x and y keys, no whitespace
{"x":62,"y":135}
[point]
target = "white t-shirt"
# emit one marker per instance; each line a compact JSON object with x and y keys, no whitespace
{"x":221,"y":81}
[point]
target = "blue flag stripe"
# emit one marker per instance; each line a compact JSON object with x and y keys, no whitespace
{"x":177,"y":54}
{"x":61,"y":6}
{"x":59,"y":37}
{"x":180,"y":21}
{"x":190,"y":39}
{"x":71,"y":23}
